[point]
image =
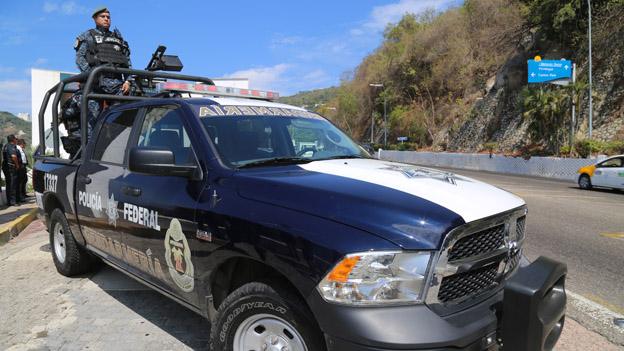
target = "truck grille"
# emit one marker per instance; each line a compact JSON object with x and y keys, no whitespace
{"x":484,"y":241}
{"x":476,"y":258}
{"x":458,"y":286}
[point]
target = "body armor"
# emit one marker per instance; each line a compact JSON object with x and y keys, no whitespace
{"x":108,"y":48}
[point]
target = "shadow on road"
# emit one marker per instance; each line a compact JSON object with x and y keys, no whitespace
{"x":186,"y":326}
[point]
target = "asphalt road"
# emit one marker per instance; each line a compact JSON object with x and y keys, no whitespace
{"x":584,"y":229}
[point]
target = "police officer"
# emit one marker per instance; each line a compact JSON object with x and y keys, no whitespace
{"x":11,"y":165}
{"x":101,"y":46}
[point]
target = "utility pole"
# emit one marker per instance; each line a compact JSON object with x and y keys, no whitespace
{"x":574,"y":97}
{"x":591,"y":109}
{"x":380,"y":85}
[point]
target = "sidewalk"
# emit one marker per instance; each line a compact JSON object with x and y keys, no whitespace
{"x":14,"y":219}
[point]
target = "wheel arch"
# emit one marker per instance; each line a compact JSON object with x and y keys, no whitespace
{"x":237,"y":271}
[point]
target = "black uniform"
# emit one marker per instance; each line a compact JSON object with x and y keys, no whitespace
{"x":9,"y":168}
{"x":97,"y":47}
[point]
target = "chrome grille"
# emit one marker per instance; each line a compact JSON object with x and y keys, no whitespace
{"x":459,"y":286}
{"x":476,"y":258}
{"x":520,"y":227}
{"x":478,"y":243}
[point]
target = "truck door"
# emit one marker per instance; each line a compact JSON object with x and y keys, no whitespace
{"x":97,"y":188}
{"x":160,"y":209}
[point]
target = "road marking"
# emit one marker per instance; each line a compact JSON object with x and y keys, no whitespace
{"x":613,"y":235}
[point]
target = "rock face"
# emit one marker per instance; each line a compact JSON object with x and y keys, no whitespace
{"x":497,"y":117}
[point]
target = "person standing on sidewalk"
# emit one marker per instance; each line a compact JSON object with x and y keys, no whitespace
{"x":10,"y":166}
{"x":22,"y":174}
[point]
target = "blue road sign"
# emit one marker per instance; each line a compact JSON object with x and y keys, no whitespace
{"x":548,"y":70}
{"x":402,"y":139}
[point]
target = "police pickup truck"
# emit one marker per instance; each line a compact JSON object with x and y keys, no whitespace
{"x":275,"y":225}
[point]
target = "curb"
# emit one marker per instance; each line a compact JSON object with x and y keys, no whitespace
{"x":595,"y":317}
{"x":13,"y":228}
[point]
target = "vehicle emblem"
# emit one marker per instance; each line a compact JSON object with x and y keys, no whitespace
{"x":417,"y":172}
{"x":178,"y":257}
{"x":111,"y":211}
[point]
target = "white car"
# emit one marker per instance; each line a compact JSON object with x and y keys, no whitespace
{"x":608,"y":173}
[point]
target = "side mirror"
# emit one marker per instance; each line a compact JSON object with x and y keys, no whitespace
{"x":159,"y":161}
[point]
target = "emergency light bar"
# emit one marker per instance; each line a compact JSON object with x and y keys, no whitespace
{"x":214,"y":90}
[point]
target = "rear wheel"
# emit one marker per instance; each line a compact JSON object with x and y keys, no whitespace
{"x":258,"y":317}
{"x":584,"y":182}
{"x":69,"y":258}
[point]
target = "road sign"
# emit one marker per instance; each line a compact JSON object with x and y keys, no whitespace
{"x":402,"y":139}
{"x":545,"y":71}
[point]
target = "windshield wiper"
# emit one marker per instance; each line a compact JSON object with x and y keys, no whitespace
{"x":340,"y":157}
{"x":276,"y":161}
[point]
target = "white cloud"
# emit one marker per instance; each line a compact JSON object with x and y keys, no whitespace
{"x":382,"y":15}
{"x":6,"y":69}
{"x":40,"y":61}
{"x":281,"y":41}
{"x":66,"y":8}
{"x":267,"y":78}
{"x":317,"y":76}
{"x":15,"y":95}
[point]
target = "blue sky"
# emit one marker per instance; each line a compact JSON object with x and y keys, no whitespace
{"x":286,"y":46}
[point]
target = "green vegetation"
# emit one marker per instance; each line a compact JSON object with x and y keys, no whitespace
{"x":587,"y":147}
{"x":310,"y":100}
{"x":10,"y":124}
{"x":438,"y":70}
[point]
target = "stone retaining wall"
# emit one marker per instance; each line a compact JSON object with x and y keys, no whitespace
{"x":548,"y":167}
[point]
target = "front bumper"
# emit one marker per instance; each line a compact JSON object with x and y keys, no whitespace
{"x":527,"y":314}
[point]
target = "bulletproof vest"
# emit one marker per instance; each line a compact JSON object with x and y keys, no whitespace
{"x":6,"y":157}
{"x":107,"y":48}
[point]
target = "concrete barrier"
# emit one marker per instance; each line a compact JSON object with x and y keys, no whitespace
{"x":548,"y":167}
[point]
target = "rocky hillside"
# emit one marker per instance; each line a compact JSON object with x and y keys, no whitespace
{"x":458,"y":80}
{"x":10,"y":124}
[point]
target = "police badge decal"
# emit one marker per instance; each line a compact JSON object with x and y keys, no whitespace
{"x":178,"y":257}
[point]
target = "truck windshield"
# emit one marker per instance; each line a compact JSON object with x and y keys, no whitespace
{"x":260,"y":140}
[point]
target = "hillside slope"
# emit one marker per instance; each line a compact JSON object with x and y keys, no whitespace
{"x":10,"y":124}
{"x":458,"y":80}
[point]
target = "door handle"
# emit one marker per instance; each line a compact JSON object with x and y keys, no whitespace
{"x":84,"y":179}
{"x":131,"y":191}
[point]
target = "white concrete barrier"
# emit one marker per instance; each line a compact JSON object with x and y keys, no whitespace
{"x":548,"y":167}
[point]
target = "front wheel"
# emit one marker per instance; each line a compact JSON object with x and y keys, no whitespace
{"x":69,"y":258}
{"x":258,"y":317}
{"x":584,"y":182}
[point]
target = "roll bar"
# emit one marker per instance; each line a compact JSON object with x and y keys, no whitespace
{"x":89,"y":80}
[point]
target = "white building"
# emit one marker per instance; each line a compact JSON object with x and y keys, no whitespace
{"x":42,"y":80}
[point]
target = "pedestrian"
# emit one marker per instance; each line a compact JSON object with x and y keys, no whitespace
{"x":101,"y":46}
{"x":10,"y":166}
{"x":23,"y":172}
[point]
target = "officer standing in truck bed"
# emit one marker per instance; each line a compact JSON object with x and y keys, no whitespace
{"x":101,"y":46}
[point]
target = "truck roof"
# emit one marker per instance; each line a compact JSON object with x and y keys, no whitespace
{"x":226,"y":101}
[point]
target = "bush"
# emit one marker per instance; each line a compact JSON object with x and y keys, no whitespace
{"x":565,"y":150}
{"x":615,"y":147}
{"x":587,"y":147}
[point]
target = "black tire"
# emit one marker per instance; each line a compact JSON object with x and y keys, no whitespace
{"x":255,"y":299}
{"x":77,"y":260}
{"x":584,"y":182}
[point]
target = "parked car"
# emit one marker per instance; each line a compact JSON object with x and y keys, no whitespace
{"x":608,"y":173}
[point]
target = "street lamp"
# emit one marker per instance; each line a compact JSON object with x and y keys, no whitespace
{"x":590,"y":69}
{"x":380,"y":85}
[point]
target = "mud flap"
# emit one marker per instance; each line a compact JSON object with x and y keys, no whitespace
{"x":534,"y":306}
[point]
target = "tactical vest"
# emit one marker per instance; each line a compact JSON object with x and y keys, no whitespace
{"x":107,"y":48}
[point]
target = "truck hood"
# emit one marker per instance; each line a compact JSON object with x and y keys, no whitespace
{"x":411,"y":206}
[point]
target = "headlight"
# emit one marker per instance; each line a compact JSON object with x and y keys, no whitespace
{"x":374,"y":278}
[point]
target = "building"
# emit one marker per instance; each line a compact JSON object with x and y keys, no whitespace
{"x":24,"y":115}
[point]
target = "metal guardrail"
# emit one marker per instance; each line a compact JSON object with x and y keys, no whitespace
{"x":548,"y":167}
